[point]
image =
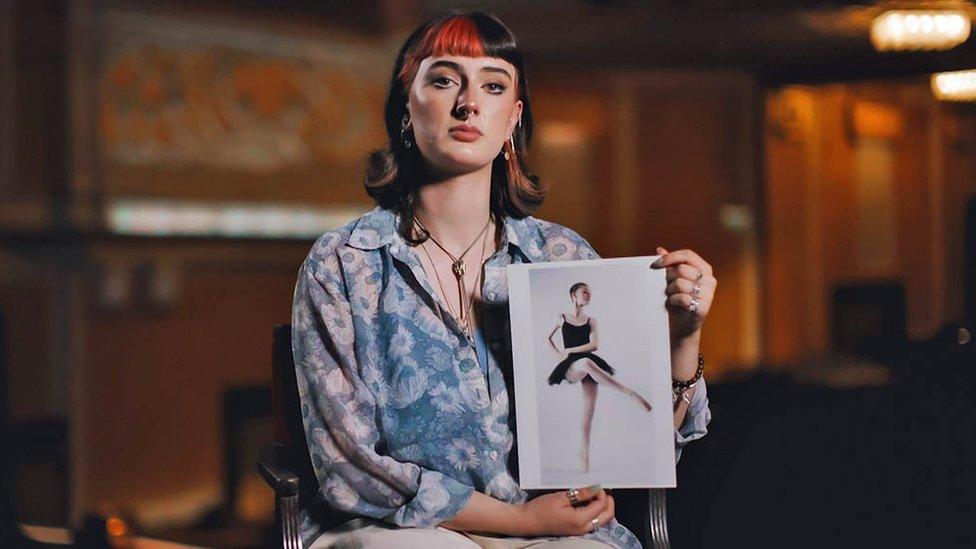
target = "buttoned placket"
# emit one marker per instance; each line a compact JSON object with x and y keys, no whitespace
{"x":406,"y":255}
{"x":489,"y":293}
{"x":493,"y":379}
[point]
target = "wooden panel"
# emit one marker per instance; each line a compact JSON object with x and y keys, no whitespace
{"x":959,"y":163}
{"x":694,"y":152}
{"x":793,"y":318}
{"x":153,"y":384}
{"x":27,"y":307}
{"x":926,"y":255}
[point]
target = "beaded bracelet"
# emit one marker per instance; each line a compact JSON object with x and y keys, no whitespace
{"x":679,"y":386}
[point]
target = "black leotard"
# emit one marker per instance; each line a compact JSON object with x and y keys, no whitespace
{"x":574,"y":336}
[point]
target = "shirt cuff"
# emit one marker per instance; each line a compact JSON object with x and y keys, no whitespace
{"x":696,"y":420}
{"x":439,"y":498}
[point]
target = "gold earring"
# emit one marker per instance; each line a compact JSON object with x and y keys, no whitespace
{"x":511,"y":142}
{"x":404,"y":124}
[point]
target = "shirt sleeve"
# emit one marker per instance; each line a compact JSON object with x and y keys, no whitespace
{"x":339,"y":414}
{"x":696,"y":420}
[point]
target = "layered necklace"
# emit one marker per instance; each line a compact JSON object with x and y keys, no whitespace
{"x":465,"y":301}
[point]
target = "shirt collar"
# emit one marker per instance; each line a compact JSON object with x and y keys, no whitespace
{"x":374,"y":229}
{"x":378,"y":228}
{"x":524,"y":235}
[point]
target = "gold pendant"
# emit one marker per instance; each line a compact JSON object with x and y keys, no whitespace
{"x":458,"y":268}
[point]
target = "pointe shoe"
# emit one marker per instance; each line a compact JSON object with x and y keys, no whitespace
{"x":647,"y":405}
{"x":584,"y":456}
{"x":641,"y":400}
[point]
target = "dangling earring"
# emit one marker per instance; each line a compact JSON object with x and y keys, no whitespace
{"x":404,"y":124}
{"x":511,"y":142}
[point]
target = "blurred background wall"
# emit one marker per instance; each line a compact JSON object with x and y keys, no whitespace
{"x":166,"y":165}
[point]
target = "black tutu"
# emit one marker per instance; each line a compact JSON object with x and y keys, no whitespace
{"x":575,"y":336}
{"x":559,"y":372}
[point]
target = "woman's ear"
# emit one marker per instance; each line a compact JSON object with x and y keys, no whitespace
{"x":516,"y":117}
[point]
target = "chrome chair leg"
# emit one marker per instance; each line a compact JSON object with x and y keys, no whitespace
{"x":290,"y":534}
{"x":659,"y":519}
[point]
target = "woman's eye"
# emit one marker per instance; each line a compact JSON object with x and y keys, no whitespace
{"x":441,"y":81}
{"x":495,"y":87}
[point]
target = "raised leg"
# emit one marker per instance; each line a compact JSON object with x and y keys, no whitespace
{"x":600,"y":376}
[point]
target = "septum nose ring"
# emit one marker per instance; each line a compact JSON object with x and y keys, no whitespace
{"x":463,"y":109}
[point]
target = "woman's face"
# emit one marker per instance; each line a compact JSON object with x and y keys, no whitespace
{"x":582,"y":296}
{"x":452,"y":140}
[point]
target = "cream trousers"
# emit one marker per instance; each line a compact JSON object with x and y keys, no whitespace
{"x":366,"y":534}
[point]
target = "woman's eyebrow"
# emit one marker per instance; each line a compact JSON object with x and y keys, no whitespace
{"x":496,"y":69}
{"x":457,"y":67}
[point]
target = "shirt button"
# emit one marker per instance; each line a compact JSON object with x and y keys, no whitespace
{"x":493,"y":454}
{"x":490,"y":296}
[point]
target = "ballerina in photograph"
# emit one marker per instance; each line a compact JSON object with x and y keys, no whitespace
{"x":581,"y":365}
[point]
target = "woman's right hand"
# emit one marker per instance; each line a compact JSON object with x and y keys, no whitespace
{"x":554,"y":515}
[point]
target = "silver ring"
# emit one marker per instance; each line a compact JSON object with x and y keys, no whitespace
{"x":700,"y":275}
{"x":694,"y":305}
{"x":697,"y":289}
{"x":593,"y":524}
{"x":573,"y":495}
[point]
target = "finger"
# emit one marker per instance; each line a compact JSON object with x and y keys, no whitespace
{"x":685,"y":256}
{"x":585,"y":515}
{"x":607,"y":515}
{"x":657,"y":263}
{"x":680,"y":286}
{"x":590,"y":492}
{"x":683,"y":270}
{"x":681,"y":301}
{"x":702,"y":289}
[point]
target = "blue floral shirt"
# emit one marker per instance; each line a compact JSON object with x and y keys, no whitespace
{"x":402,"y":422}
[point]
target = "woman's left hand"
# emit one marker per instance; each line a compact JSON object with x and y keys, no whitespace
{"x":690,"y":291}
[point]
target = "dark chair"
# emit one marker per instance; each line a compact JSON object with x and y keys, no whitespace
{"x":285,"y":463}
{"x":287,"y":468}
{"x":869,"y":319}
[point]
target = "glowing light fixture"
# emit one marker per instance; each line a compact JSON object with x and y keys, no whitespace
{"x":919,"y":30}
{"x":157,"y":217}
{"x":955,"y":85}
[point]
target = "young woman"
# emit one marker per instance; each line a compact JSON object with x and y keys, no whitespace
{"x":400,"y":321}
{"x":580,"y":364}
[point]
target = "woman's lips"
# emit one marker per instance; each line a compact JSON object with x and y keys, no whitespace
{"x":465,"y":132}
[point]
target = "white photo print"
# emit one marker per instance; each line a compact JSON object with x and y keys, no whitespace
{"x":592,"y":374}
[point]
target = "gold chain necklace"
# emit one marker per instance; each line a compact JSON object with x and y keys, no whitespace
{"x":458,"y":262}
{"x":457,"y":267}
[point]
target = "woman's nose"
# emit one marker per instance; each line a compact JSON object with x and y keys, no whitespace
{"x":465,"y":109}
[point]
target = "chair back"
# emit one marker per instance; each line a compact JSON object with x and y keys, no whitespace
{"x":290,"y":431}
{"x":287,"y":409}
{"x":284,"y":388}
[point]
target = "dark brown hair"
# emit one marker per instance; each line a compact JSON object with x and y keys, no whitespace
{"x":577,"y":286}
{"x":395,"y":173}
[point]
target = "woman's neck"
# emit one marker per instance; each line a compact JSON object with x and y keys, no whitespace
{"x":455,"y":209}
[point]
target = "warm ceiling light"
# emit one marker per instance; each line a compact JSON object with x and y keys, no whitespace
{"x":955,"y":85}
{"x":919,"y":30}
